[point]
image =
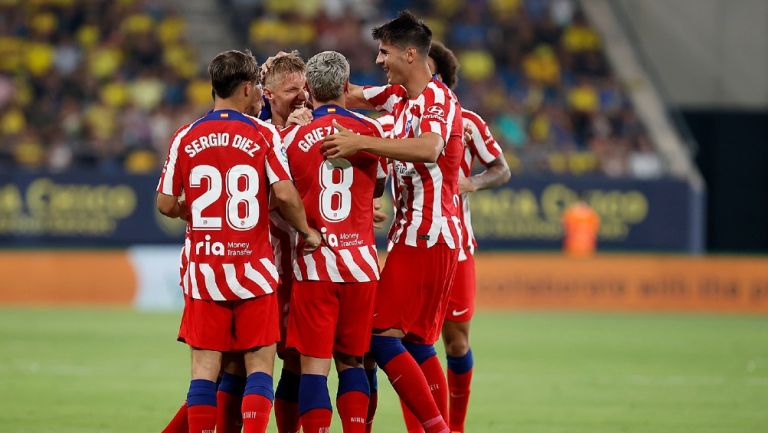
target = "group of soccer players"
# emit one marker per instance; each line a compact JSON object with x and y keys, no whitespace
{"x":277,"y":186}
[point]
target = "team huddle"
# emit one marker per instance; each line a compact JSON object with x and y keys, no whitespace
{"x":279,"y":185}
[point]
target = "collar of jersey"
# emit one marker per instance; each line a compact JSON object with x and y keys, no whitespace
{"x":327,"y":109}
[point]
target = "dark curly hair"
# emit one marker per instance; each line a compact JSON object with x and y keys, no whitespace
{"x":446,"y":64}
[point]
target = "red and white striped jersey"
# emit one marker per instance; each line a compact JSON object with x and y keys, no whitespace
{"x":484,"y":147}
{"x":427,"y":207}
{"x":282,"y":235}
{"x":338,"y":198}
{"x":224,"y":163}
{"x":387,"y":122}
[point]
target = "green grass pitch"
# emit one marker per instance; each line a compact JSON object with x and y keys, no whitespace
{"x":120,"y":371}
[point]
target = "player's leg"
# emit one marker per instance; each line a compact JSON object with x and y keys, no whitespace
{"x":396,"y":310}
{"x":373,"y":384}
{"x":460,"y":366}
{"x":311,"y":330}
{"x":255,"y":333}
{"x":206,"y":329}
{"x":178,"y":424}
{"x":259,"y":393}
{"x":461,"y":309}
{"x":353,"y":393}
{"x":201,"y":398}
{"x":314,"y":401}
{"x":287,"y":391}
{"x":229,"y":398}
{"x":352,"y":340}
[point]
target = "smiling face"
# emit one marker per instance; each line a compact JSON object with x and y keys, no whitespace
{"x":286,"y":94}
{"x":395,"y":62}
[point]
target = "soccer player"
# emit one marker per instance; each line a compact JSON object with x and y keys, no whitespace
{"x":334,"y":288}
{"x":461,"y":306}
{"x":426,"y":149}
{"x":284,"y":78}
{"x":223,"y":163}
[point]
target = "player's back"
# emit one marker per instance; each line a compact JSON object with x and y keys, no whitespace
{"x":337,"y":196}
{"x":225,"y":163}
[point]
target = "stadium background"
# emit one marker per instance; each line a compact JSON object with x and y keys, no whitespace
{"x":656,"y":112}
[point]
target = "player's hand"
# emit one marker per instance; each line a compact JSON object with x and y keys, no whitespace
{"x":300,"y":116}
{"x":378,"y":216}
{"x":466,"y":185}
{"x":467,"y":136}
{"x":265,"y":67}
{"x":184,"y":210}
{"x":341,"y":144}
{"x":312,"y":241}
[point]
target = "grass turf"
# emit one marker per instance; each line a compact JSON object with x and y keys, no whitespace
{"x":120,"y":371}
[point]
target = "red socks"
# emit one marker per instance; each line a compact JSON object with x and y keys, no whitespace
{"x":408,"y":380}
{"x":433,"y":372}
{"x":438,"y":385}
{"x":287,"y":416}
{"x":459,"y":385}
{"x":353,"y":411}
{"x":256,"y":410}
{"x":412,"y":425}
{"x":201,"y":418}
{"x":229,"y":418}
{"x":179,"y":422}
{"x":316,"y":421}
{"x":373,"y":401}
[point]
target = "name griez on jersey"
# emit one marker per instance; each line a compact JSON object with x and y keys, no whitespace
{"x":314,"y":136}
{"x":209,"y":248}
{"x":218,"y":139}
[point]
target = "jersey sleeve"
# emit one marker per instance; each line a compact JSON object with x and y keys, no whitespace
{"x":171,"y":181}
{"x":482,"y":144}
{"x":439,"y":111}
{"x":385,"y":98}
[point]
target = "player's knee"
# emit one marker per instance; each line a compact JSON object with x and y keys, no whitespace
{"x":420,"y":352}
{"x":458,"y":346}
{"x":344,"y":361}
{"x":385,"y":348}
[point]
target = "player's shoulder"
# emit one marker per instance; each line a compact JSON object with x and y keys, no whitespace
{"x":261,"y":124}
{"x":371,"y":124}
{"x":387,"y":89}
{"x":471,"y":116}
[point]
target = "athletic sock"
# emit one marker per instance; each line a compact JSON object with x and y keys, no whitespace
{"x":178,"y":424}
{"x":373,"y":399}
{"x":314,"y":404}
{"x":412,"y":424}
{"x":352,"y":400}
{"x":201,"y":406}
{"x":426,"y":356}
{"x":459,"y":380}
{"x":229,"y":401}
{"x":257,"y":402}
{"x":408,"y":380}
{"x":287,"y":402}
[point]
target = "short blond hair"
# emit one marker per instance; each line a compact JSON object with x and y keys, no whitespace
{"x":282,"y":65}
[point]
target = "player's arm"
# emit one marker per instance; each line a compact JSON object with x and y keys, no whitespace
{"x":356,"y":99}
{"x":496,"y":173}
{"x":172,"y":207}
{"x":424,"y":148}
{"x":287,"y":199}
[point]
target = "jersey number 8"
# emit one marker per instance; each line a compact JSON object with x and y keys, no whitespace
{"x":335,"y":197}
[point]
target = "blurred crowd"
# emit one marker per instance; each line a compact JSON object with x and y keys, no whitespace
{"x":103,"y":84}
{"x":94,"y":84}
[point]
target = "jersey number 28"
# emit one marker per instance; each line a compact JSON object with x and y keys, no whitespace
{"x":236,"y":197}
